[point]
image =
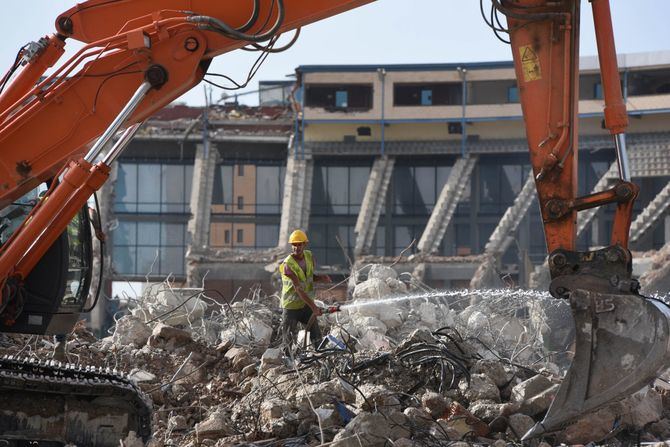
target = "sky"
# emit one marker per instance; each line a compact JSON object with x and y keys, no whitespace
{"x":384,"y":32}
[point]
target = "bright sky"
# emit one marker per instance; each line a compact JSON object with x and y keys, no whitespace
{"x":385,"y":32}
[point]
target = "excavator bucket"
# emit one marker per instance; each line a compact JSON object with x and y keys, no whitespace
{"x":622,"y":343}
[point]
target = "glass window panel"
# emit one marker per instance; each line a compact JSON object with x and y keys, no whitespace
{"x":147,"y":261}
{"x":125,"y":233}
{"x":513,"y":94}
{"x":227,"y":192}
{"x":513,"y":182}
{"x":148,"y":233}
{"x":338,"y":189}
{"x":380,"y":241}
{"x":485,"y":232}
{"x":148,"y":188}
{"x":441,"y":177}
{"x":319,"y":255}
{"x":338,"y":185}
{"x":172,"y":260}
{"x":341,"y":98}
{"x":358,"y":181}
{"x":403,"y":237}
{"x":125,"y":190}
{"x":172,"y":234}
{"x":403,"y":186}
{"x":267,"y":236}
{"x":489,"y":188}
{"x":317,"y":235}
{"x":319,"y":197}
{"x":426,"y":97}
{"x":424,"y":177}
{"x":124,"y":260}
{"x":172,"y":188}
{"x":268,"y":192}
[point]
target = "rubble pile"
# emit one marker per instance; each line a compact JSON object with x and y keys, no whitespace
{"x":399,"y":366}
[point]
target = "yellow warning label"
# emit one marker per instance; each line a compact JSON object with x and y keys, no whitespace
{"x":530,"y":64}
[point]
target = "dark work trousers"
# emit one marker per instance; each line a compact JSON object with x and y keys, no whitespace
{"x":289,"y":326}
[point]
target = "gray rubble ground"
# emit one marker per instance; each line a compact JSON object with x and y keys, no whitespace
{"x":461,"y":368}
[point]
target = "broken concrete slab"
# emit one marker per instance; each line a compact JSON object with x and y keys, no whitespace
{"x":530,"y":388}
{"x":481,"y":387}
{"x":130,"y":330}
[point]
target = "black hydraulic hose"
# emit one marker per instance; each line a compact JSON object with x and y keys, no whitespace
{"x":528,"y":16}
{"x":268,"y":49}
{"x":252,"y":20}
{"x":213,"y":24}
{"x":102,"y":258}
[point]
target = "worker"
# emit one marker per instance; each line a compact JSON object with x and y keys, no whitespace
{"x":297,"y":295}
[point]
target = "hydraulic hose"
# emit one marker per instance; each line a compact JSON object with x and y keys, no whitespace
{"x":213,"y":24}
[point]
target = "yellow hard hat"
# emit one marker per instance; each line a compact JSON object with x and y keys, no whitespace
{"x":298,"y":237}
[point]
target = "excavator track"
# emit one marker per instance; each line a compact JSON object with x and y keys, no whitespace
{"x":49,"y":404}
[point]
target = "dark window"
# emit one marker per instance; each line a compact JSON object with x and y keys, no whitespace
{"x":416,"y":188}
{"x":226,"y":236}
{"x":598,"y":91}
{"x":427,"y":97}
{"x":339,"y":97}
{"x":267,"y":236}
{"x":342,"y":99}
{"x":153,"y":188}
{"x":649,"y":82}
{"x":455,"y":128}
{"x":223,"y":186}
{"x":499,"y":184}
{"x":240,"y":236}
{"x":439,"y":94}
{"x":513,"y":94}
{"x":240,"y":170}
{"x":269,"y":189}
{"x":240,"y":202}
{"x":489,"y":92}
{"x":364,"y":132}
{"x":338,"y":189}
{"x":155,"y":248}
{"x":331,"y":243}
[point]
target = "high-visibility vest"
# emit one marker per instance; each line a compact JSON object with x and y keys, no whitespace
{"x":289,"y":297}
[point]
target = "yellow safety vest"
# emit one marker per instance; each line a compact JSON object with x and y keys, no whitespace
{"x":289,"y":297}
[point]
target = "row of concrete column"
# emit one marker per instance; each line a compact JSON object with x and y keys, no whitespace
{"x":298,"y":186}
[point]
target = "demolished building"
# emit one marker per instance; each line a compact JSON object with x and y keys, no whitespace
{"x":427,"y":161}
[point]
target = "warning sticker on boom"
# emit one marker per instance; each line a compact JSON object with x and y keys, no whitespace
{"x":530,"y":64}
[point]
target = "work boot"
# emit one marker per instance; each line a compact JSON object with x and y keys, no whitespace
{"x":60,"y":351}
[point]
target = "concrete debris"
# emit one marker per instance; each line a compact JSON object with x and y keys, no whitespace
{"x":530,"y":388}
{"x":130,"y":331}
{"x":419,"y":370}
{"x":373,"y":288}
{"x":656,"y":280}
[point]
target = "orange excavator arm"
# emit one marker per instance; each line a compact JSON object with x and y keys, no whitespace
{"x":139,"y":56}
{"x":616,"y":328}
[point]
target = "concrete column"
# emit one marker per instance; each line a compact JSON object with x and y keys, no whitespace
{"x":374,"y":201}
{"x":204,"y":168}
{"x":450,"y":196}
{"x":297,"y":197}
{"x":667,"y":229}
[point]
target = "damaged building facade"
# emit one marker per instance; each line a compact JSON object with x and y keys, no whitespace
{"x":428,"y":161}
